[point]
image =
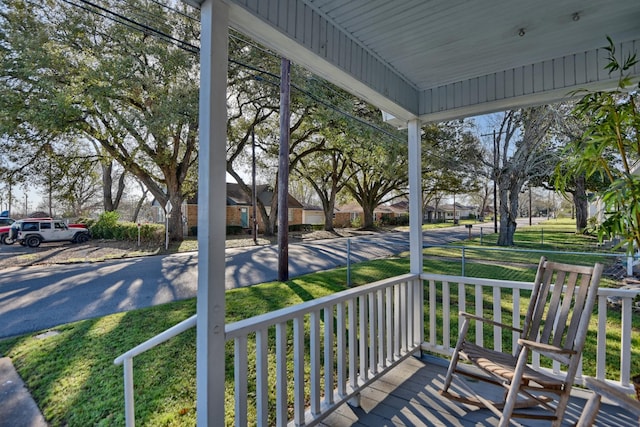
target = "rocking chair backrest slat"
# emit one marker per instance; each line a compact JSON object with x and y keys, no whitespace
{"x":581,"y":300}
{"x":570,"y":302}
{"x":551,"y":316}
{"x":538,"y":301}
{"x":530,"y":331}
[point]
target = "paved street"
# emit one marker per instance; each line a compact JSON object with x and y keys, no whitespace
{"x":40,"y":297}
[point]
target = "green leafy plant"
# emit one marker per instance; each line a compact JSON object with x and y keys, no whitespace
{"x":610,"y":147}
{"x":105,"y":227}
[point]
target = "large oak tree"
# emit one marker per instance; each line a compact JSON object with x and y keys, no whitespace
{"x":67,"y":71}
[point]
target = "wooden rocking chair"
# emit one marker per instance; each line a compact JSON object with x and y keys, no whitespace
{"x":555,"y":326}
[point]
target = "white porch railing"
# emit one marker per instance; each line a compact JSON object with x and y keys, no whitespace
{"x":446,"y":295}
{"x":372,"y":328}
{"x":327,"y":364}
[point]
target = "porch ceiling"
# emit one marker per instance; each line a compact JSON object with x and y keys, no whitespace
{"x":443,"y":59}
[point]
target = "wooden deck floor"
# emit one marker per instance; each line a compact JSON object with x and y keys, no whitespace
{"x":408,"y":395}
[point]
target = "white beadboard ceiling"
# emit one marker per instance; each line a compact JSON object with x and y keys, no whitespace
{"x":442,"y":59}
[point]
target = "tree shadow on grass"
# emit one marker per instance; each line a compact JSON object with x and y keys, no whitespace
{"x":72,"y":377}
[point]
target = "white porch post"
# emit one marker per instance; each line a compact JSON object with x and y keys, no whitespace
{"x":212,"y":214}
{"x":415,"y":196}
{"x":415,"y":228}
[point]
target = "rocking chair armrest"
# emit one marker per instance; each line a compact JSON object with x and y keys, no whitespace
{"x":545,"y":348}
{"x":489,"y":321}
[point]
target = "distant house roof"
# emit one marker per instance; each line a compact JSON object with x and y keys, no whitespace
{"x":401,"y":206}
{"x":449,"y":207}
{"x":356,"y":208}
{"x":308,"y":207}
{"x":237,"y":197}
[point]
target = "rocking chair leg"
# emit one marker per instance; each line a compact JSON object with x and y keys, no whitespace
{"x":449,"y":377}
{"x":560,"y":409}
{"x":455,"y":356}
{"x":512,"y":396}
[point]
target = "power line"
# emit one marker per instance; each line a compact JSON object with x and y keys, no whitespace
{"x":134,"y":25}
{"x":137,"y":26}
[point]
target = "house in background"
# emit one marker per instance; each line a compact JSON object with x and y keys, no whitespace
{"x":449,"y":212}
{"x":313,"y":215}
{"x":352,"y":213}
{"x":240,"y":208}
{"x":457,"y":211}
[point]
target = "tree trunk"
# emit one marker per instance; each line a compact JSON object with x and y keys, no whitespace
{"x":581,"y":205}
{"x":328,"y":206}
{"x":139,"y":205}
{"x":367,"y":216}
{"x":509,"y":191}
{"x":107,"y":179}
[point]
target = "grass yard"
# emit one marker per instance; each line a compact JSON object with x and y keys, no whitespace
{"x":75,"y":383}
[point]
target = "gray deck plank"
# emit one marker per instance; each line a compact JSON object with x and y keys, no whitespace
{"x":408,"y":395}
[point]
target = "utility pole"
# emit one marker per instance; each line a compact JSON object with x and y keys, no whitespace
{"x":254,"y":224}
{"x":529,"y":203}
{"x":283,"y":174}
{"x":495,"y":183}
{"x":495,"y":179}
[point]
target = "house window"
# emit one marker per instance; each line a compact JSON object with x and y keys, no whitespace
{"x":290,"y":214}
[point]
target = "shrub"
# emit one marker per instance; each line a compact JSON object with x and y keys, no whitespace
{"x":234,"y":229}
{"x":108,"y":227}
{"x":104,"y":228}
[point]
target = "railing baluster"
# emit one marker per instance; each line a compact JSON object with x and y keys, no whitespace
{"x":497,"y":316}
{"x":373,"y":333}
{"x":282,"y":400}
{"x":328,"y":356}
{"x":373,"y":339}
{"x":353,"y":345}
{"x":403,"y":317}
{"x":396,"y":321}
{"x":408,"y":309}
{"x":390,"y":324}
{"x":433,"y":321}
{"x":479,"y":312}
{"x":129,"y":406}
{"x":516,"y":319}
{"x":240,"y":379}
{"x":342,"y":349}
{"x":363,"y":315}
{"x":262,"y":377}
{"x":298,"y":370}
{"x":314,"y":353}
{"x":446,"y":314}
{"x":418,"y":311}
{"x":462,"y":302}
{"x":382,"y":332}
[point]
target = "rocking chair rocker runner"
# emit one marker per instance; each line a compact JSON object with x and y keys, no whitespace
{"x":555,"y":326}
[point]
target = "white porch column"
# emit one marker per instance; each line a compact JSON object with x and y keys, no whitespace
{"x":212,"y":214}
{"x":415,"y":228}
{"x":415,"y":196}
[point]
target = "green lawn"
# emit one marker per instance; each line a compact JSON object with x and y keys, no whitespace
{"x":72,"y":377}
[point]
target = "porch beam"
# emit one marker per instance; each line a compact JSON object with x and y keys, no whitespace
{"x":415,"y":196}
{"x":210,"y":357}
